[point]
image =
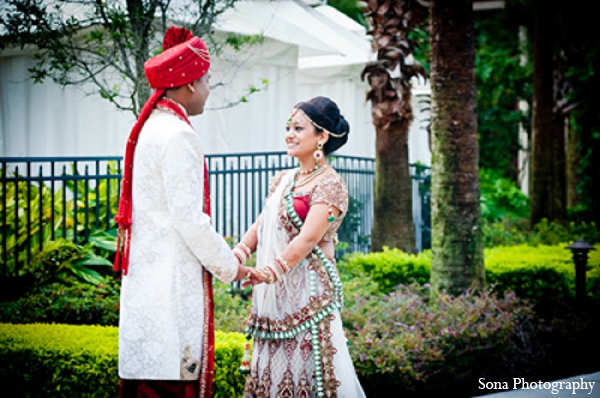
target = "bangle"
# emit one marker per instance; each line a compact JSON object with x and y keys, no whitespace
{"x":245,"y":248}
{"x":240,"y":254}
{"x":272,"y":272}
{"x":268,"y":274}
{"x":282,"y":265}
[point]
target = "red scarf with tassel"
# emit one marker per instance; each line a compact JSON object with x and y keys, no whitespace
{"x":124,"y":219}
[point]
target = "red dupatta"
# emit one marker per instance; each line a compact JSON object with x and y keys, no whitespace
{"x":124,"y":219}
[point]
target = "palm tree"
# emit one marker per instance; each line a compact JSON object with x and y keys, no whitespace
{"x":548,"y":170}
{"x":457,"y":245}
{"x":390,"y":94}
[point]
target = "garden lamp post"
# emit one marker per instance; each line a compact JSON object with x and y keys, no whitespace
{"x":580,"y":249}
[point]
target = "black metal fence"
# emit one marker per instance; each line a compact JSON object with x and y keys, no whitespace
{"x":46,"y":198}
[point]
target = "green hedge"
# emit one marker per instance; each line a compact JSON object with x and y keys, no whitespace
{"x":541,"y":273}
{"x":423,"y":346}
{"x":42,"y":360}
{"x":78,"y":303}
{"x":390,"y":268}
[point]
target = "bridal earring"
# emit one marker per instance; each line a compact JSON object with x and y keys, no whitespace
{"x":318,"y":154}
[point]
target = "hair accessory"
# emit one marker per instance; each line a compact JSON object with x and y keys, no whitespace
{"x":292,"y":114}
{"x":319,"y":127}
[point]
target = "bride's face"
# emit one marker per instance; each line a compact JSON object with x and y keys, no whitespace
{"x":301,"y":136}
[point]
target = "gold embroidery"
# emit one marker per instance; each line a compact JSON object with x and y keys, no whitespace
{"x":264,"y":385}
{"x":206,"y":285}
{"x":251,"y":385}
{"x":285,"y":389}
{"x":331,"y":384}
{"x":203,"y":54}
{"x":303,"y":390}
{"x":315,"y":304}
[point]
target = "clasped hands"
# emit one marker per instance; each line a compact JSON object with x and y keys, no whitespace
{"x":251,"y":274}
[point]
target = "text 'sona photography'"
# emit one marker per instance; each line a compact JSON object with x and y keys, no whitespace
{"x":554,"y":386}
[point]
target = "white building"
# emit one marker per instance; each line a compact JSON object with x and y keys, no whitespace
{"x":307,"y":51}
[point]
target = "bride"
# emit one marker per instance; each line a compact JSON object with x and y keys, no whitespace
{"x":299,"y":344}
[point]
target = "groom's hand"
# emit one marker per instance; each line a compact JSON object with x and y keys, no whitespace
{"x":254,"y":277}
{"x":243,"y":273}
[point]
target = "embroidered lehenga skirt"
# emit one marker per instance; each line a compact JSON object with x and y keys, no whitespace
{"x":299,"y":345}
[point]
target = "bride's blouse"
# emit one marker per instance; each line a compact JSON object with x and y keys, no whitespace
{"x":330,"y":190}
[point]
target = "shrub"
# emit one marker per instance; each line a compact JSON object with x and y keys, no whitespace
{"x":356,"y":283}
{"x":401,"y":342}
{"x":509,"y":232}
{"x":229,"y":350}
{"x":40,"y":360}
{"x":232,"y":307}
{"x":98,"y":304}
{"x":537,"y":274}
{"x":551,"y":233}
{"x":59,"y":360}
{"x":43,"y":215}
{"x":61,"y":259}
{"x":78,"y":303}
{"x":542,"y":273}
{"x":392,"y":267}
{"x":501,"y":198}
{"x":505,"y":233}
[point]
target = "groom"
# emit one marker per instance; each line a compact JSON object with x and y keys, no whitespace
{"x":167,"y":248}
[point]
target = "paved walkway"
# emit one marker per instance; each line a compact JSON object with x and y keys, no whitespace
{"x":578,"y":385}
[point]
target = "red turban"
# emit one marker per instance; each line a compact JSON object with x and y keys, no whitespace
{"x":178,"y":64}
{"x":184,"y":59}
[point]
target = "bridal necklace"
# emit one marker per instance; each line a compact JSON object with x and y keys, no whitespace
{"x":307,"y":176}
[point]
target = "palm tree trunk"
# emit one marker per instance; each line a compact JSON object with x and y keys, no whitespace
{"x":390,"y":96}
{"x":573,"y":162}
{"x":457,"y":245}
{"x":393,"y":224}
{"x":547,"y":153}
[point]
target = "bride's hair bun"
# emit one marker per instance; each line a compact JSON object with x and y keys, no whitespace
{"x":325,"y":114}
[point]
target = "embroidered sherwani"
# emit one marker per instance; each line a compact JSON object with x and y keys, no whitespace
{"x":162,"y":296}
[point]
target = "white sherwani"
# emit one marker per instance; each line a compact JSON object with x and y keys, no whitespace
{"x":162,"y":297}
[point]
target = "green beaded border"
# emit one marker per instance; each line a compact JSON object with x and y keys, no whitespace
{"x":302,"y":327}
